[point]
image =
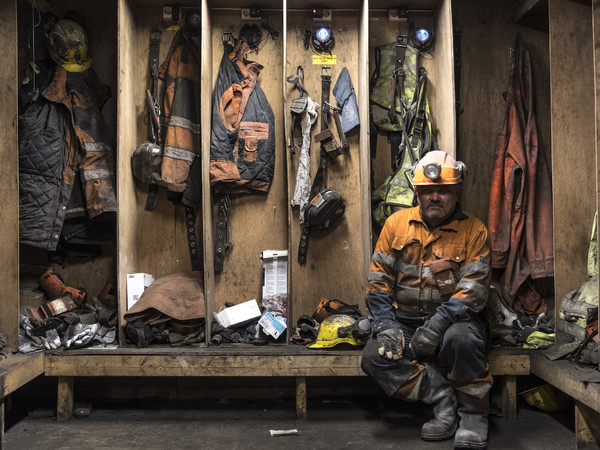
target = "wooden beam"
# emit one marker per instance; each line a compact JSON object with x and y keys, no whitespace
{"x":64,"y":401}
{"x":564,"y":376}
{"x":202,"y":365}
{"x":301,"y":397}
{"x":587,"y":426}
{"x":2,"y":424}
{"x":9,"y":171}
{"x":19,"y":369}
{"x":506,"y":363}
{"x":509,"y":396}
{"x":247,"y":361}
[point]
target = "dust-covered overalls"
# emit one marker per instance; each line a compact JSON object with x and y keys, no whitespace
{"x":441,"y":275}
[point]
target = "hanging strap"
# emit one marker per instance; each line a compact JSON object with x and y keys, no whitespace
{"x":398,"y":75}
{"x":325,"y":87}
{"x":190,"y":222}
{"x":418,"y":135}
{"x":153,"y":107}
{"x":223,"y":232}
{"x":338,"y":125}
{"x":153,"y":68}
{"x":325,"y":138}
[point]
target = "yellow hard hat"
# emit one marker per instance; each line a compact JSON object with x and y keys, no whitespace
{"x":328,"y":332}
{"x":438,"y":167}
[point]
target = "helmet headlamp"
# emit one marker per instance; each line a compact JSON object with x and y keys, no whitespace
{"x":432,"y":171}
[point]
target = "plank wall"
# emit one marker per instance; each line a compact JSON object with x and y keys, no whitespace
{"x":438,"y":64}
{"x":101,"y":25}
{"x":335,"y":263}
{"x":596,"y":44}
{"x":488,"y":32}
{"x":258,"y":221}
{"x":9,"y":170}
{"x":152,"y":242}
{"x":573,"y":140}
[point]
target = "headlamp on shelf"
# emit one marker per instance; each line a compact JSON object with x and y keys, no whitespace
{"x":422,"y":38}
{"x":323,"y":34}
{"x":322,"y":39}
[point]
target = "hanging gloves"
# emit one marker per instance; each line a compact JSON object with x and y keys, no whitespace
{"x":425,"y":341}
{"x":391,"y":343}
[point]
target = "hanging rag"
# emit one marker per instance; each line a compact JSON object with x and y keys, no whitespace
{"x":343,"y":91}
{"x":520,"y":211}
{"x":302,"y":191}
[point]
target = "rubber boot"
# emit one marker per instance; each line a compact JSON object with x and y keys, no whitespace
{"x":436,"y":390}
{"x":473,"y":430}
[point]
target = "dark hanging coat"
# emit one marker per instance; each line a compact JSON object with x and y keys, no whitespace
{"x":242,"y":146}
{"x":520,"y":212}
{"x":64,"y":142}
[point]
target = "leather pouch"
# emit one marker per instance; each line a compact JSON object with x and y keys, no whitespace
{"x":442,"y":272}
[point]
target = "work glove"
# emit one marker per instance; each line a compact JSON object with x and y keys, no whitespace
{"x":52,"y":340}
{"x":80,"y":334}
{"x":425,"y":340}
{"x":391,"y":343}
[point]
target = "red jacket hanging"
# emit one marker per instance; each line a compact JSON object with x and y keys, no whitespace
{"x":520,"y":212}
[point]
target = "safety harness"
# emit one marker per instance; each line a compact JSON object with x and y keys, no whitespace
{"x":399,"y":106}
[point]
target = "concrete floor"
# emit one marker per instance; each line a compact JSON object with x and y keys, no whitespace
{"x":374,"y":423}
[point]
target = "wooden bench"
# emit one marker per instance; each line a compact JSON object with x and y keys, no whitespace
{"x":566,"y":377}
{"x":273,"y":361}
{"x":16,"y":371}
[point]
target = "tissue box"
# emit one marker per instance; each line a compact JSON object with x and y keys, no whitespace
{"x":238,"y":314}
{"x":272,"y":325}
{"x":136,"y":284}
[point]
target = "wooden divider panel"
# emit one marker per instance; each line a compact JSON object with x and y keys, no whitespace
{"x":101,"y":26}
{"x":9,"y":201}
{"x":258,"y":221}
{"x":335,"y":263}
{"x":573,"y":141}
{"x":487,"y":35}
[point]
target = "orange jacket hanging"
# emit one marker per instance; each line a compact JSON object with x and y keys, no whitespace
{"x":520,"y":212}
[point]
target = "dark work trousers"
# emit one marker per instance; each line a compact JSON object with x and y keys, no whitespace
{"x":461,"y":354}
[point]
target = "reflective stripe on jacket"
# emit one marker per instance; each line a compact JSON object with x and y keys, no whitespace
{"x":181,"y":110}
{"x":242,"y":145}
{"x":400,"y":266}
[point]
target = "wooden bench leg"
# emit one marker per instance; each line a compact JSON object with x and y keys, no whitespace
{"x":64,"y":402}
{"x":2,"y":418}
{"x":509,"y":396}
{"x":587,"y":426}
{"x":301,"y":397}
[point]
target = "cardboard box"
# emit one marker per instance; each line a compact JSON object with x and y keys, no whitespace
{"x":274,"y":272}
{"x":137,"y":283}
{"x":239,"y":314}
{"x":272,"y":325}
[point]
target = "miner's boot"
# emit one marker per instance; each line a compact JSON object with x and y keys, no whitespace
{"x":436,"y":390}
{"x":473,"y":430}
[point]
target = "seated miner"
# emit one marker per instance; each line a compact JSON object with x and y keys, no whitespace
{"x":428,"y":284}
